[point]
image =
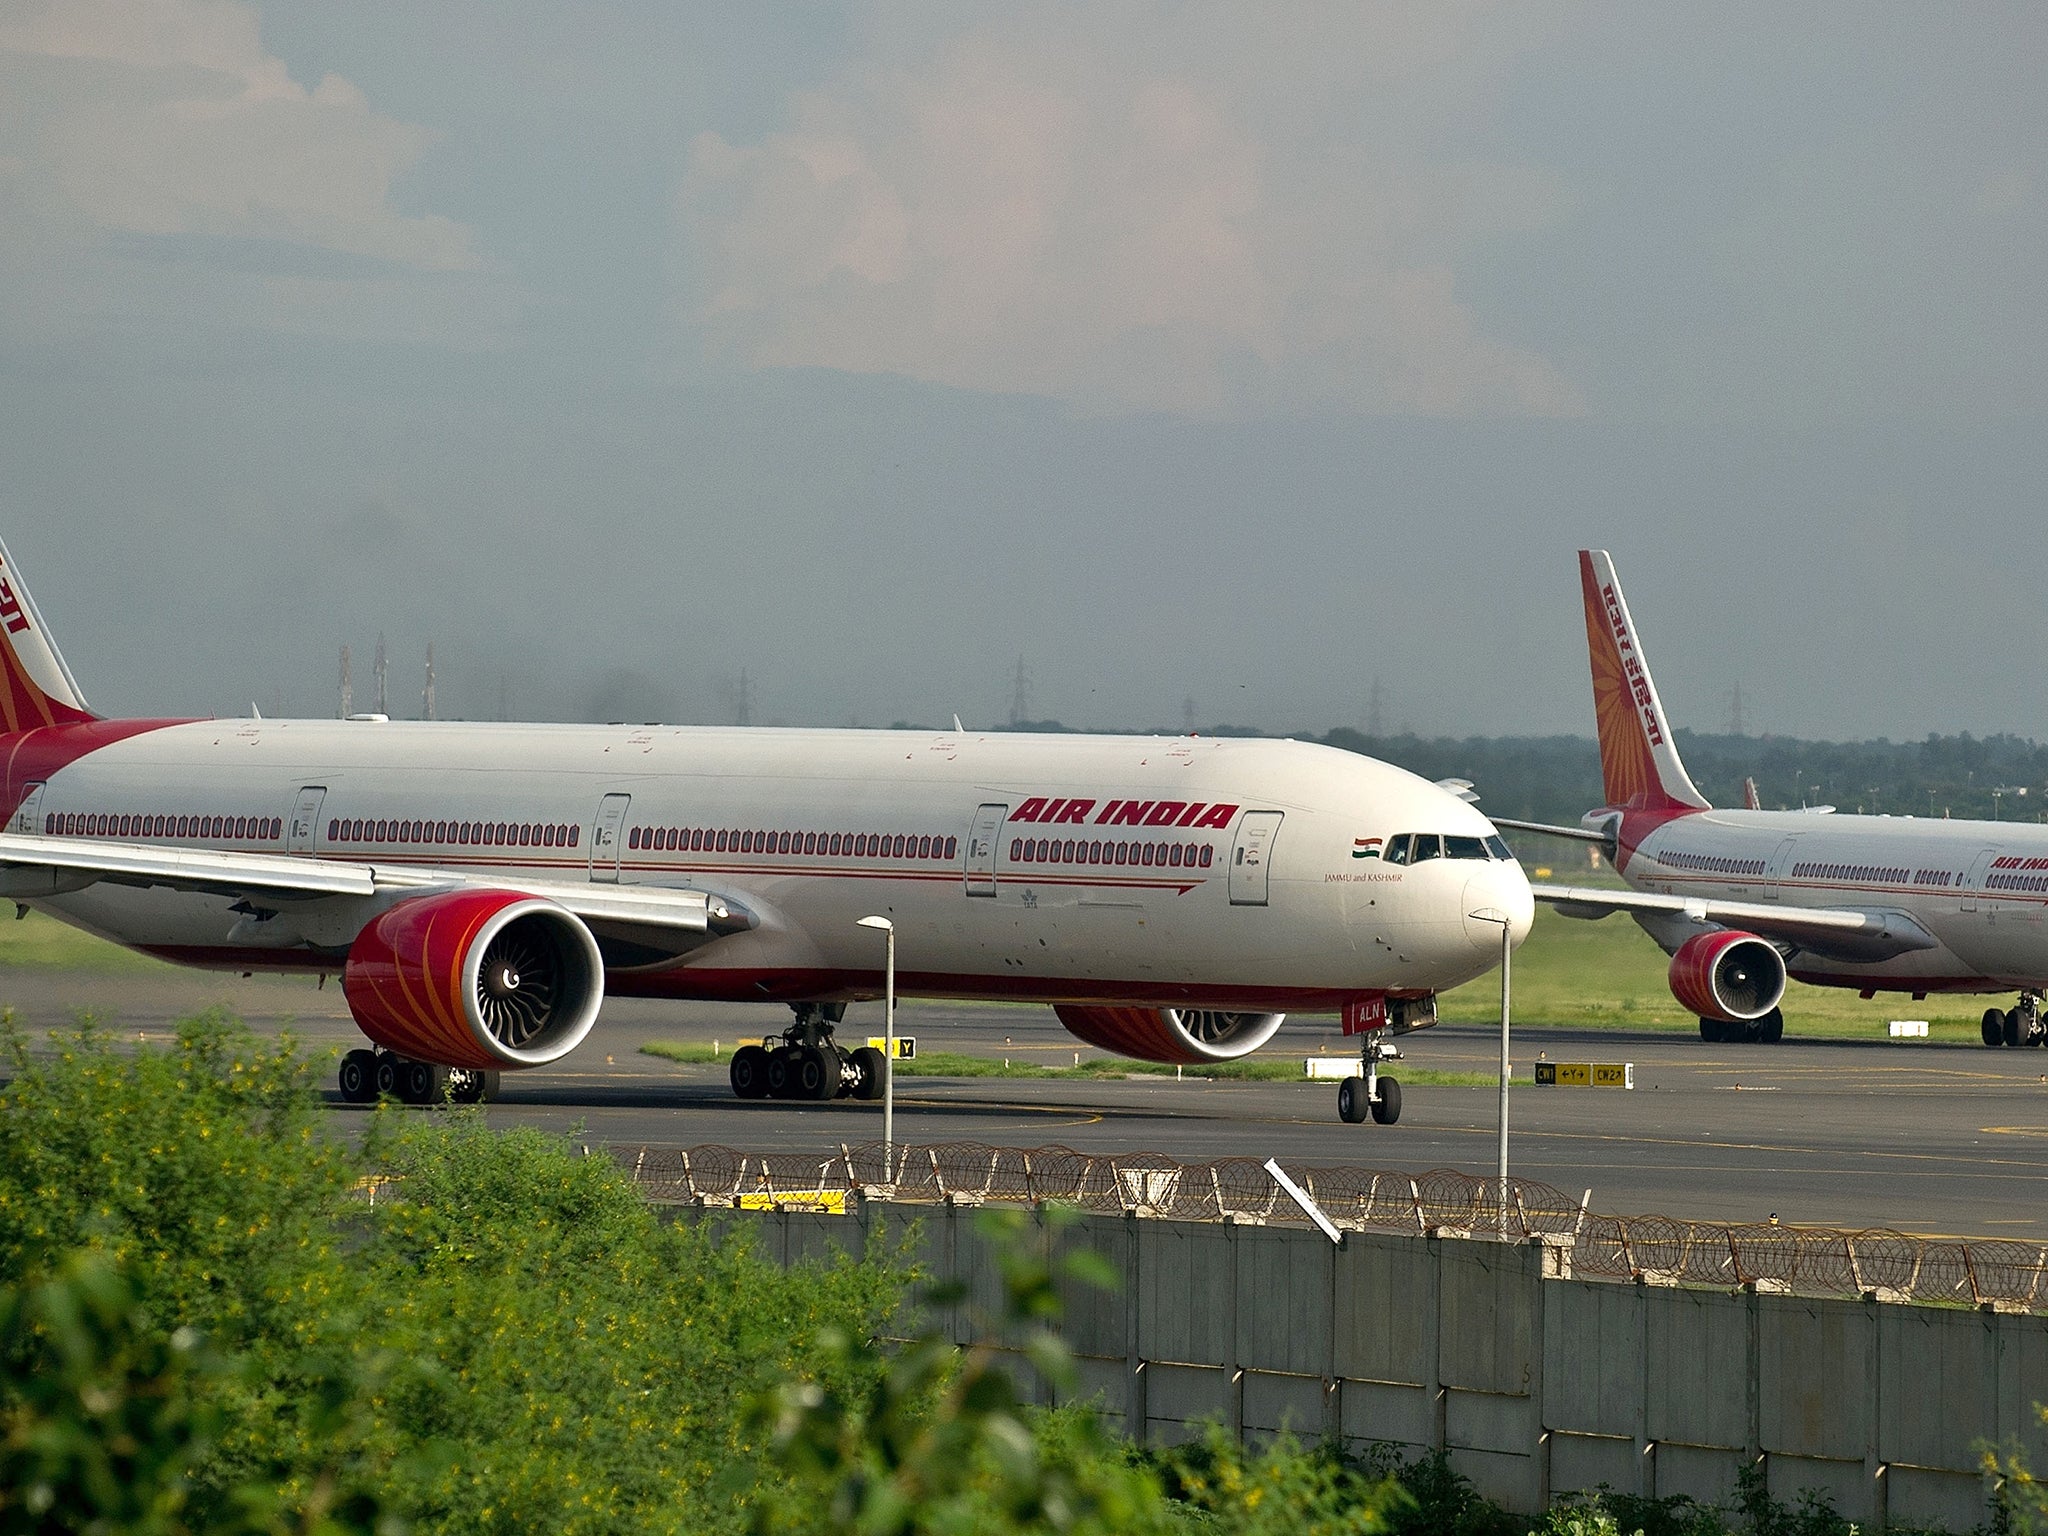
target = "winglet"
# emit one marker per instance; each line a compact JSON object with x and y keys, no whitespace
{"x":36,"y":688}
{"x":1638,"y":764}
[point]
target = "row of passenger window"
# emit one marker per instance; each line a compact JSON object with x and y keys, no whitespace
{"x":456,"y":834}
{"x":2017,"y":883}
{"x":831,"y":845}
{"x":1710,"y":863}
{"x":1420,"y":847}
{"x":1146,"y":855}
{"x":1864,"y":873}
{"x":240,"y":829}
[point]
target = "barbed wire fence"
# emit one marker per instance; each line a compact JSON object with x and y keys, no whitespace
{"x":1875,"y":1264}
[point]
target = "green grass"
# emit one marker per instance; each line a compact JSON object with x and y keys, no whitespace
{"x":1607,"y":974}
{"x":39,"y":943}
{"x":1276,"y":1069}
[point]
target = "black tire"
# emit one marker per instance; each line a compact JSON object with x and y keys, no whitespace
{"x":466,"y":1086}
{"x":1352,"y":1104}
{"x":387,"y":1075}
{"x":1771,"y":1027}
{"x":359,"y":1077}
{"x":781,"y":1074}
{"x":2012,"y":1027}
{"x":869,"y":1065}
{"x":1386,"y":1109}
{"x":815,"y":1074}
{"x":1749,"y":1031}
{"x":420,"y":1082}
{"x":1713,"y":1031}
{"x":1993,"y":1028}
{"x":749,"y":1072}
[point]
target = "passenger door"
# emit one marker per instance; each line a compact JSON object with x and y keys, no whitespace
{"x":1973,"y":882}
{"x":606,"y":839}
{"x":28,"y":818}
{"x":983,"y":837}
{"x":1256,"y":835}
{"x":1780,"y":867}
{"x":303,"y":830}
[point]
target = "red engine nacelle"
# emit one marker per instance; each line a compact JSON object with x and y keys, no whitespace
{"x":1177,"y":1036}
{"x":1731,"y":976}
{"x":480,"y":979}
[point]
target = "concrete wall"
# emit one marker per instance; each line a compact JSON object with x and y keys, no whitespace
{"x":1536,"y":1386}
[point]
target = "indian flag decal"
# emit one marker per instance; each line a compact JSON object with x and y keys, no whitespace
{"x":1366,"y":847}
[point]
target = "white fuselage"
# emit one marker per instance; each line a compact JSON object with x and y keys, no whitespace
{"x":1011,"y":865}
{"x":1979,"y":889}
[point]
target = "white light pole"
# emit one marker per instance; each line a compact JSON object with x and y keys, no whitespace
{"x":1494,"y":915}
{"x":888,"y":1043}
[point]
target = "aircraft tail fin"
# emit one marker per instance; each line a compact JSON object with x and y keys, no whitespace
{"x":36,"y":688}
{"x":1638,"y":764}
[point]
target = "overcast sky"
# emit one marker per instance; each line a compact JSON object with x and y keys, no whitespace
{"x":1225,"y":353}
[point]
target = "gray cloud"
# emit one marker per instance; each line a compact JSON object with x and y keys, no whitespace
{"x":1067,"y":204}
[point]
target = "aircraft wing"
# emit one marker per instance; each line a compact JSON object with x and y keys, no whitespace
{"x":1844,"y":930}
{"x":33,"y":867}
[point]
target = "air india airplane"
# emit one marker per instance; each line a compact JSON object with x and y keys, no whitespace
{"x":480,"y":888}
{"x":1741,"y":899}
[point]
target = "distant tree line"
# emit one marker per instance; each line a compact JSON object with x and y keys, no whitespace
{"x":1557,"y":778}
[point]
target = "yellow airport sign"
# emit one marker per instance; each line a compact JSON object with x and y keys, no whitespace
{"x":906,"y":1046}
{"x":1586,"y":1074}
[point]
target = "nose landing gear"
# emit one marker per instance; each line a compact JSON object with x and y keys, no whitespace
{"x":2016,"y":1026}
{"x":1371,"y":1093}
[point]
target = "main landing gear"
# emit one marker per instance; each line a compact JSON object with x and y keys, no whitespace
{"x":808,"y":1064}
{"x":2016,"y":1026}
{"x":1371,"y":1094}
{"x":1768,"y":1030}
{"x":367,"y":1076}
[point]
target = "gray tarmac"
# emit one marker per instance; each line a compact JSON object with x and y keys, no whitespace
{"x":1925,"y":1138}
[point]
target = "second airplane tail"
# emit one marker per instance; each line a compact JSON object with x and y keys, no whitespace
{"x":1638,"y":763}
{"x":36,"y":688}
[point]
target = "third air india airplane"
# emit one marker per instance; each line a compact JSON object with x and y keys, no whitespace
{"x":480,"y":888}
{"x":1741,"y":899}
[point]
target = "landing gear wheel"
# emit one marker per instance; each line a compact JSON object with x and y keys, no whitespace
{"x":815,"y":1074}
{"x":2012,"y":1027}
{"x":420,"y":1082}
{"x":466,"y":1085}
{"x":869,"y":1065}
{"x":1352,"y":1104}
{"x":359,"y":1077}
{"x":782,"y":1073}
{"x":1993,"y":1027}
{"x":749,"y":1072}
{"x":1713,"y":1031}
{"x":1386,"y":1109}
{"x":1771,"y":1027}
{"x":387,"y":1075}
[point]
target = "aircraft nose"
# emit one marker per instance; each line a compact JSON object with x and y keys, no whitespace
{"x":1499,"y":891}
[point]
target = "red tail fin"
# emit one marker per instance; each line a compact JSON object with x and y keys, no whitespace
{"x":36,"y":688}
{"x":1638,"y":764}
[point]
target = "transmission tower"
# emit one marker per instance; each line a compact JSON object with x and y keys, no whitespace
{"x":427,"y":693}
{"x":383,"y":708}
{"x":1187,"y":715}
{"x":1375,"y":707}
{"x":348,"y":687}
{"x":1020,"y":695}
{"x":1735,"y":711}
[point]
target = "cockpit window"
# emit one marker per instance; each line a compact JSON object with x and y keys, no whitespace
{"x":1465,"y":847}
{"x":1498,"y":847}
{"x":1397,"y":850}
{"x":1428,"y":845}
